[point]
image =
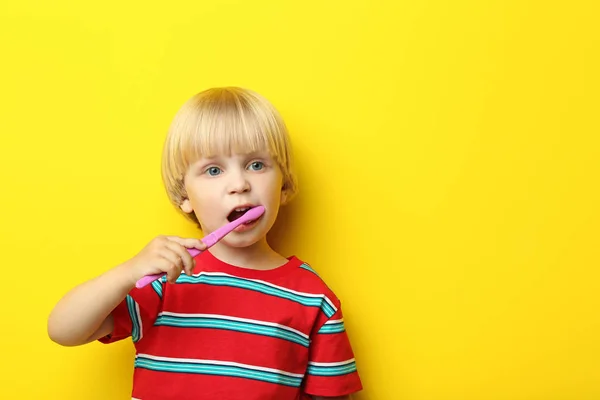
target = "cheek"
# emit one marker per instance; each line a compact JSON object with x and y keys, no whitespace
{"x":200,"y":193}
{"x":205,"y":205}
{"x":274,"y":194}
{"x":201,"y":202}
{"x":208,"y":214}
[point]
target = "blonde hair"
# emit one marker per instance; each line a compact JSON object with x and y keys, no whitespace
{"x":222,"y":121}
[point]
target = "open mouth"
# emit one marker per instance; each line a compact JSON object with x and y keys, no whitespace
{"x":237,"y":213}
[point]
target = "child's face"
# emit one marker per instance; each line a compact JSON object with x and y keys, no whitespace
{"x":219,"y":185}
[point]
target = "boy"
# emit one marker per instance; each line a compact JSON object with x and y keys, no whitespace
{"x":238,"y":321}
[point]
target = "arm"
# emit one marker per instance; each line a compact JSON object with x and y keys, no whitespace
{"x":84,"y":314}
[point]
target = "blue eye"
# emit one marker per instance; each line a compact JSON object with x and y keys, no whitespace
{"x":257,"y":165}
{"x":213,"y":171}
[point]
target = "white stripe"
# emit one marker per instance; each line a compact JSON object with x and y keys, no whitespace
{"x":333,"y":364}
{"x":270,"y":284}
{"x":334,"y":321}
{"x":228,"y":363}
{"x":227,"y":317}
{"x":139,"y":318}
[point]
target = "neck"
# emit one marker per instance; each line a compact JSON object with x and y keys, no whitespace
{"x":260,"y":255}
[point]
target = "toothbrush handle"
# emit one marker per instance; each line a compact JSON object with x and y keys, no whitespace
{"x":151,"y":278}
{"x":209,"y":240}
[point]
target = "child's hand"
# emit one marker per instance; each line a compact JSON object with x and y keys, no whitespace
{"x":165,"y":254}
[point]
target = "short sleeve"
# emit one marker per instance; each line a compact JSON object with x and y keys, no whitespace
{"x":331,"y":368}
{"x":136,"y":314}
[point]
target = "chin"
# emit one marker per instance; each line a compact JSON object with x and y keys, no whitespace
{"x":246,"y":239}
{"x":241,"y":243}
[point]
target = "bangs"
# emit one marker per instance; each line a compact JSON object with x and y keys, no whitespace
{"x":225,"y":131}
{"x":222,"y":125}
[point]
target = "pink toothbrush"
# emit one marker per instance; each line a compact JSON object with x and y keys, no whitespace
{"x":210,"y":240}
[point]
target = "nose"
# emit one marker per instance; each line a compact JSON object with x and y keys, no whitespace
{"x":238,"y":183}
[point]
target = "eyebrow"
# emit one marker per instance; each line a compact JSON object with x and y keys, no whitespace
{"x":258,"y":153}
{"x":215,"y":159}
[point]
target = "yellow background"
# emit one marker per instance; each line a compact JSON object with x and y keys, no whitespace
{"x":448,"y":163}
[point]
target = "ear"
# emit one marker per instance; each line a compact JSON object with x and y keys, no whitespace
{"x":186,"y":206}
{"x":283,"y":197}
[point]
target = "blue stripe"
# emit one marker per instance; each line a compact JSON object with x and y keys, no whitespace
{"x":338,"y":370}
{"x":332,"y":328}
{"x":232,"y":281}
{"x":308,"y":268}
{"x":135,"y":324}
{"x":215,"y":369}
{"x":157,"y":286}
{"x":239,"y":326}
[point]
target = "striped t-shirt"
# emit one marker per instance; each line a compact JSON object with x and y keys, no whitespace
{"x":234,"y":333}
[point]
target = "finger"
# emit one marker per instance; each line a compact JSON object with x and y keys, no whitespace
{"x":190,"y":243}
{"x":171,"y":268}
{"x":184,"y":256}
{"x":172,"y":256}
{"x":174,"y":261}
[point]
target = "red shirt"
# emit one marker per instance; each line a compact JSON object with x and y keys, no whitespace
{"x":235,"y":333}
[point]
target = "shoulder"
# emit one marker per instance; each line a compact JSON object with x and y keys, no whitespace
{"x":308,"y":279}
